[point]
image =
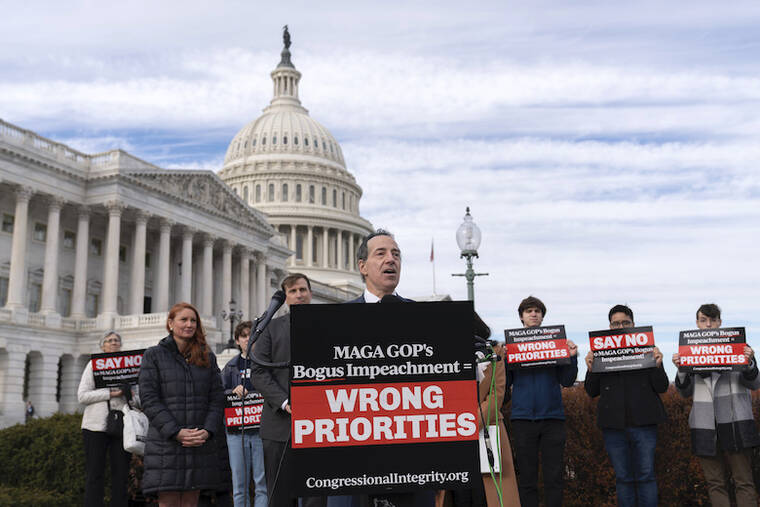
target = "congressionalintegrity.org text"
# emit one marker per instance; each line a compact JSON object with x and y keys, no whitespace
{"x":388,"y":479}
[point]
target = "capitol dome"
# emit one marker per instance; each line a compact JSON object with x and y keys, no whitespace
{"x":288,"y":165}
{"x":285,"y":130}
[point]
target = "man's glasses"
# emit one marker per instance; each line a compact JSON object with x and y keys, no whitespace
{"x":112,"y":340}
{"x":621,"y":323}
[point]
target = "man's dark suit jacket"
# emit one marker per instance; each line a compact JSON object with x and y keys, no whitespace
{"x":273,"y":346}
{"x":360,"y":299}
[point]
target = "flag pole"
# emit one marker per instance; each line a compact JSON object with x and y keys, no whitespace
{"x":432,"y":261}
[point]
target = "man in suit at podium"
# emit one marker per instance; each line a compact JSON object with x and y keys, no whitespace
{"x":379,"y":261}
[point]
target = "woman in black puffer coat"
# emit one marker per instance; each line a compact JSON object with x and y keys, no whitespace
{"x":182,"y":395}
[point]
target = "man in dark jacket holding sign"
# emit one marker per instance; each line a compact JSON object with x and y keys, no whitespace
{"x":538,"y":417}
{"x":628,"y":412}
{"x":721,"y":420}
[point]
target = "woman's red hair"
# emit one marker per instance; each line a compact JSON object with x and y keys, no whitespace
{"x":198,"y":350}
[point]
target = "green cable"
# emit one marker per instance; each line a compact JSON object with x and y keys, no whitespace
{"x":486,"y":428}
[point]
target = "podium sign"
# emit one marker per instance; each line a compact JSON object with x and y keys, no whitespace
{"x":383,"y":398}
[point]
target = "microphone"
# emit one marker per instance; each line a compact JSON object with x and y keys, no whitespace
{"x":278,"y":298}
{"x":391,"y":298}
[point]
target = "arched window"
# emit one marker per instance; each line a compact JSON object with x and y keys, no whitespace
{"x":274,"y":138}
{"x":311,"y":194}
{"x":245,"y":194}
{"x":335,"y":198}
{"x":284,"y":139}
{"x":253,"y":143}
{"x":298,"y":192}
{"x":258,"y":193}
{"x":264,"y":140}
{"x":235,"y":190}
{"x":295,"y":139}
{"x":284,"y":192}
{"x":306,"y":141}
{"x":270,"y":197}
{"x":324,"y":196}
{"x":343,"y":196}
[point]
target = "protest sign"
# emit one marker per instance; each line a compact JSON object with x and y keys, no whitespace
{"x":114,"y":369}
{"x":233,"y":410}
{"x":712,"y":349}
{"x":531,"y":347}
{"x":622,"y":349}
{"x":383,"y":398}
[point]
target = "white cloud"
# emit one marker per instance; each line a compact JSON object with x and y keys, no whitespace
{"x":609,"y":152}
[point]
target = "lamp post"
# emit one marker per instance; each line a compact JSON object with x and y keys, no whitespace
{"x":233,"y":316}
{"x":468,"y":239}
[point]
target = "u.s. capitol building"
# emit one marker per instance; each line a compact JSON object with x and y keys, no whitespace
{"x":90,"y":243}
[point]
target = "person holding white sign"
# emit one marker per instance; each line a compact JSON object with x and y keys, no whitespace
{"x":628,"y":413}
{"x":721,"y":420}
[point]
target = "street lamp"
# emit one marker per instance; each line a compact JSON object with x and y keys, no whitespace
{"x":468,"y":239}
{"x":233,"y":316}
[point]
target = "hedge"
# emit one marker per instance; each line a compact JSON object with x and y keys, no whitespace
{"x":45,"y":457}
{"x":42,"y":463}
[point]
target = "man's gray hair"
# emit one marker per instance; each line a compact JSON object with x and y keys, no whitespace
{"x":109,"y":333}
{"x":363,"y":252}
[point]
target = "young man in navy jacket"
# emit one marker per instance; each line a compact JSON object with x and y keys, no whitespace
{"x":538,"y":417}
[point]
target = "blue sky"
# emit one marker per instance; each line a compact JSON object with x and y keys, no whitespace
{"x":609,"y":151}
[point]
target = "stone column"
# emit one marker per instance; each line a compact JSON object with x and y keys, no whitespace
{"x":351,"y":252}
{"x":325,"y":247}
{"x":252,"y":299}
{"x":294,"y":257}
{"x":339,"y":249}
{"x":17,"y":279}
{"x":186,"y":293}
{"x":137,"y":283}
{"x":261,"y":283}
{"x":12,"y":396}
{"x":309,"y":245}
{"x":245,"y":266}
{"x":161,"y":294}
{"x":111,"y":260}
{"x":79,"y":292}
{"x":207,"y":288}
{"x":50,"y":276}
{"x":70,"y":377}
{"x":226,"y":283}
{"x":43,"y":377}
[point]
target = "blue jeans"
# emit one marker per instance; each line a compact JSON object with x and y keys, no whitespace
{"x":243,"y":456}
{"x":631,"y":452}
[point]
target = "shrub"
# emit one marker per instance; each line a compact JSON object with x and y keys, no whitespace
{"x":30,"y":497}
{"x":45,"y":457}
